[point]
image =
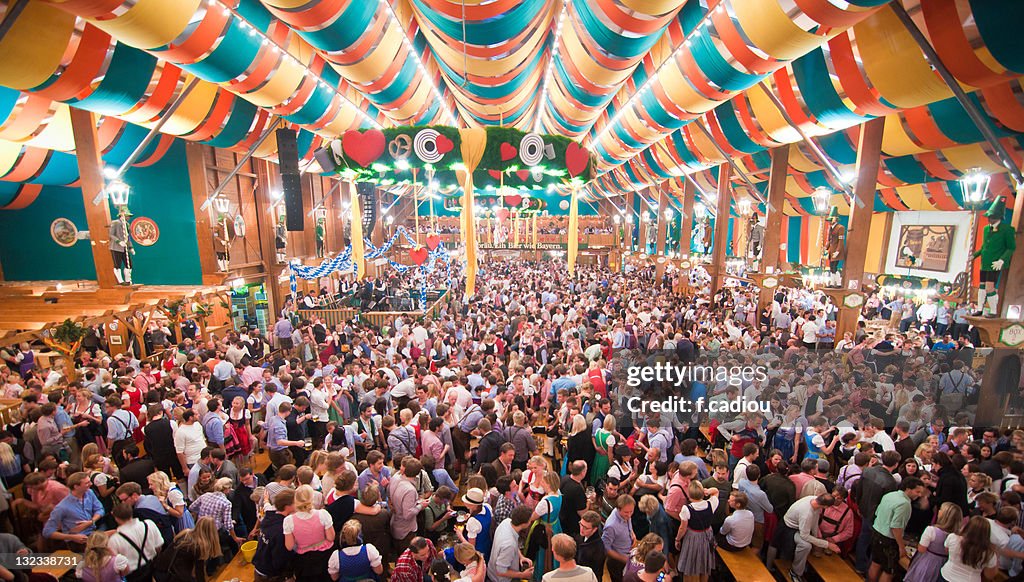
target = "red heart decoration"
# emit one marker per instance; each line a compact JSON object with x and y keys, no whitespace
{"x":494,"y":174}
{"x":514,"y":200}
{"x":523,"y":174}
{"x":418,"y":255}
{"x":576,"y":158}
{"x":432,"y":241}
{"x":363,"y":148}
{"x":508,"y":152}
{"x":444,"y":145}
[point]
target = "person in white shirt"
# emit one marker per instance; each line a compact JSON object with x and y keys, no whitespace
{"x":737,"y":530}
{"x":801,"y":522}
{"x":809,"y":333}
{"x":876,"y":435}
{"x":189,"y":440}
{"x":137,"y":540}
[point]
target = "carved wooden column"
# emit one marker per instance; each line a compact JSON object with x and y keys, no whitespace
{"x":97,"y":216}
{"x":721,"y":242}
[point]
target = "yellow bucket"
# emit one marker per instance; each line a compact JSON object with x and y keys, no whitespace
{"x":248,"y":551}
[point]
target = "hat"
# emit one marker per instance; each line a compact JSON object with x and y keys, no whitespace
{"x":833,"y":214}
{"x":475,"y":496}
{"x":997,"y":210}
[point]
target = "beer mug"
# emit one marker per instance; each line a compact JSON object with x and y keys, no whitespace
{"x":309,"y":443}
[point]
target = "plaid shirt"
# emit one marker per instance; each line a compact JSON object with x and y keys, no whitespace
{"x":409,"y":569}
{"x":216,"y":505}
{"x":503,"y":508}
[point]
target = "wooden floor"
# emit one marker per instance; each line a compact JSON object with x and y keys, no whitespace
{"x":238,"y":569}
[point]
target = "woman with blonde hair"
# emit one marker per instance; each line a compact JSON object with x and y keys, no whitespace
{"x":971,"y":553}
{"x":531,"y":486}
{"x":651,"y":542}
{"x":309,"y":533}
{"x":99,"y":563}
{"x":695,"y":539}
{"x":191,"y":551}
{"x":475,"y":569}
{"x":547,"y":512}
{"x":580,"y":445}
{"x":931,"y":550}
{"x":354,"y":560}
{"x":172,"y":498}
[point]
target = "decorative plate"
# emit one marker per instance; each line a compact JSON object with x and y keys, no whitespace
{"x":64,"y":232}
{"x":144,"y":231}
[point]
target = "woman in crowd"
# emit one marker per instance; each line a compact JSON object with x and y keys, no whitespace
{"x":309,"y":533}
{"x":971,"y":554}
{"x":99,"y":563}
{"x":354,"y":560}
{"x":931,"y":550}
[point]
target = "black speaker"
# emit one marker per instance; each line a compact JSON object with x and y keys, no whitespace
{"x":291,"y":182}
{"x":324,"y":157}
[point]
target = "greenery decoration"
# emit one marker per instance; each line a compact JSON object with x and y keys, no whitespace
{"x":363,"y":159}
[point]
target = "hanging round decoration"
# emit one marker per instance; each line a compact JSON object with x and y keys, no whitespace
{"x":400,"y":147}
{"x":564,"y":205}
{"x":426,"y":146}
{"x":531,"y":149}
{"x":144,"y":231}
{"x":64,"y":232}
{"x":239,"y":226}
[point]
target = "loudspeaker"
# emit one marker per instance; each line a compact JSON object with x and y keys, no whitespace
{"x":325,"y":159}
{"x":291,"y":182}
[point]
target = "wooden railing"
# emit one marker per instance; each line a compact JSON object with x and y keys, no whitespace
{"x":606,"y":240}
{"x":342,"y":315}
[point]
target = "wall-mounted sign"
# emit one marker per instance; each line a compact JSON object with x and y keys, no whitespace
{"x":64,"y":232}
{"x":853,"y":300}
{"x":1012,"y":335}
{"x":769,"y":282}
{"x":144,"y":231}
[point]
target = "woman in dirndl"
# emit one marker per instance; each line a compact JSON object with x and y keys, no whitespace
{"x":695,"y":539}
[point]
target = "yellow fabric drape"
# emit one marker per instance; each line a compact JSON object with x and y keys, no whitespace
{"x":574,"y":229}
{"x":474,"y":140}
{"x":535,"y":230}
{"x":515,"y":231}
{"x":358,"y":250}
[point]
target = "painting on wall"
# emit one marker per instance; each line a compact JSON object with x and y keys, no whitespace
{"x":925,"y":247}
{"x":64,"y":232}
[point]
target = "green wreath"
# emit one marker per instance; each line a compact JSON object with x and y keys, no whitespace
{"x":511,"y":157}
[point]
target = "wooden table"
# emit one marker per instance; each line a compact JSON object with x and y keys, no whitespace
{"x":58,"y":571}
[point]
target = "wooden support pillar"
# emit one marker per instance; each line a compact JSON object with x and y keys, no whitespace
{"x":644,"y":222}
{"x":97,"y":216}
{"x":660,"y":241}
{"x":869,"y":149}
{"x":771,"y":246}
{"x":686,"y":232}
{"x":265,"y":222}
{"x":721,"y":242}
{"x":194,"y":156}
{"x":629,"y":221}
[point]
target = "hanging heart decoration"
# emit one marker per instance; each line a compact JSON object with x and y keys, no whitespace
{"x":363,"y":148}
{"x":523,"y":174}
{"x":508,"y":152}
{"x":418,"y":255}
{"x":513,"y":200}
{"x":444,"y":145}
{"x":433,"y":240}
{"x":576,"y":159}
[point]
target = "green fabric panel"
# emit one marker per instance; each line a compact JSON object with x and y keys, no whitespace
{"x":28,"y":252}
{"x":162,"y":192}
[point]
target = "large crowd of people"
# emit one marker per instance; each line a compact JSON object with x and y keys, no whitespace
{"x":496,"y":441}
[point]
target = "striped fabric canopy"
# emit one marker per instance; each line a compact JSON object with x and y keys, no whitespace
{"x":629,"y":79}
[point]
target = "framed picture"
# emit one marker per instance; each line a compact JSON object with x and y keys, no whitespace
{"x":925,"y":247}
{"x":64,"y":232}
{"x":114,"y":340}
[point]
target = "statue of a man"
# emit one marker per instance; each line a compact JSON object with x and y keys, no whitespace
{"x":121,"y":248}
{"x":998,"y":243}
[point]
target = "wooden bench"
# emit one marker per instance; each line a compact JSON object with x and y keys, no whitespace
{"x":782,"y":568}
{"x":833,"y":568}
{"x":745,"y":566}
{"x":65,"y":559}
